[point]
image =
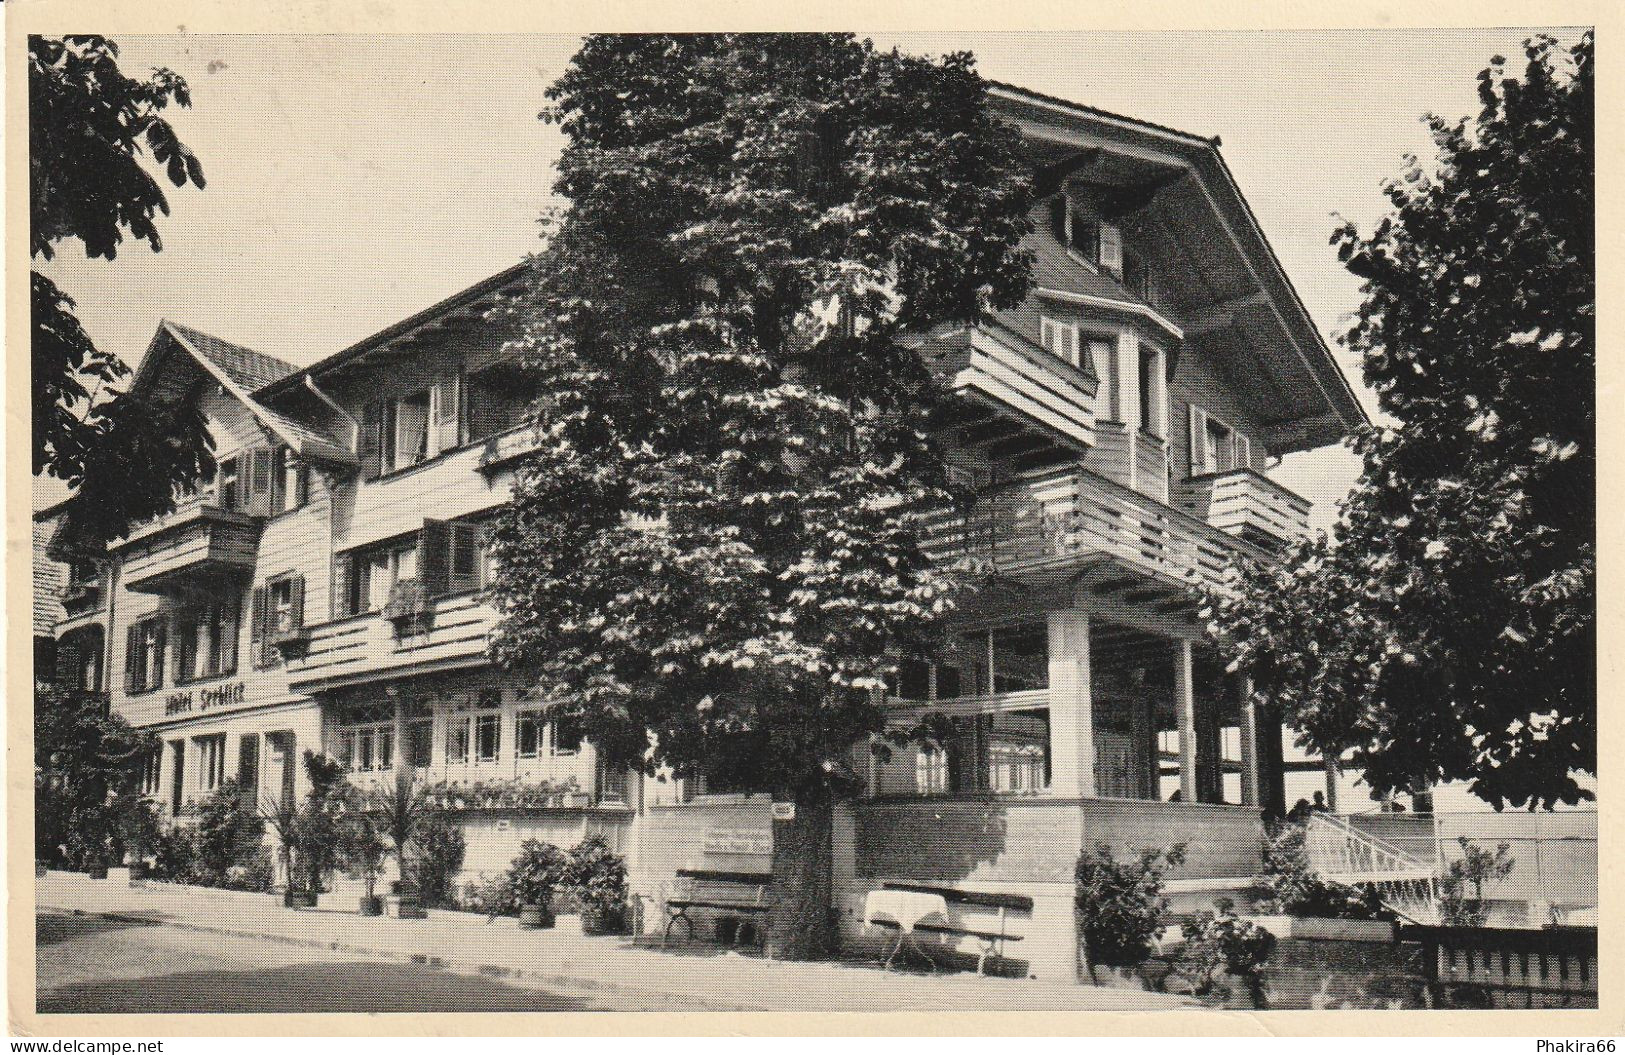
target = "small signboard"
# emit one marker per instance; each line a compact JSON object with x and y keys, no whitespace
{"x":784,"y":811}
{"x":739,"y":841}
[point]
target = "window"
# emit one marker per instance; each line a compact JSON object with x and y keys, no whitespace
{"x":291,"y":487}
{"x":364,"y":578}
{"x":369,"y":747}
{"x":211,"y":752}
{"x":285,"y":609}
{"x":206,"y":643}
{"x":152,"y":767}
{"x":278,"y":615}
{"x":487,"y":737}
{"x":1153,"y":391}
{"x":409,"y":437}
{"x":931,"y":770}
{"x":1111,"y":249}
{"x":144,"y":655}
{"x":528,"y":727}
{"x":1060,"y":339}
{"x":451,"y":554}
{"x":457,"y":738}
{"x":419,"y":748}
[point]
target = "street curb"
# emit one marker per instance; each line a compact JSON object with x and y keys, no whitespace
{"x":489,"y":970}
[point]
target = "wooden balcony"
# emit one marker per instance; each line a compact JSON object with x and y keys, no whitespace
{"x":1246,"y":504}
{"x":1042,"y":521}
{"x":1022,"y":405}
{"x":196,"y":546}
{"x":1131,"y":457}
{"x":452,"y":634}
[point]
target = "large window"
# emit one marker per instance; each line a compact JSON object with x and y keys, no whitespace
{"x":206,"y":639}
{"x":144,"y":654}
{"x":407,"y":432}
{"x":152,"y":767}
{"x":452,"y":552}
{"x":367,"y":748}
{"x":211,"y":753}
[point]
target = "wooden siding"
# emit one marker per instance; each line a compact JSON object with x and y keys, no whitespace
{"x":347,"y":650}
{"x":198,"y":540}
{"x":1247,"y":504}
{"x":1040,"y":389}
{"x":1054,"y":516}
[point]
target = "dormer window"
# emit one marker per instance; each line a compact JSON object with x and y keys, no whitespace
{"x":1060,"y":339}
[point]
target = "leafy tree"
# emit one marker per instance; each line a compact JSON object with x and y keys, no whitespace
{"x":87,"y":769}
{"x":718,"y":543}
{"x":1446,"y":629}
{"x":1461,"y":891}
{"x":90,"y":128}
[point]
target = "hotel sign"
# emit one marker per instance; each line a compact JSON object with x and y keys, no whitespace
{"x":204,"y":700}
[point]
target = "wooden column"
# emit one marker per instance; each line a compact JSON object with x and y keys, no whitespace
{"x":1071,"y":706}
{"x":1185,"y":709}
{"x":1249,"y":743}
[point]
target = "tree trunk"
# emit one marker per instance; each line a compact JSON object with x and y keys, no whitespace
{"x":801,"y":925}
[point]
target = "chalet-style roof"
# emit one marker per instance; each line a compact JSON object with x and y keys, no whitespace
{"x":250,"y":369}
{"x":458,"y":301}
{"x":1016,"y":89}
{"x":237,"y":369}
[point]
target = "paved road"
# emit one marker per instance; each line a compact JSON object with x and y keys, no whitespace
{"x":91,"y":964}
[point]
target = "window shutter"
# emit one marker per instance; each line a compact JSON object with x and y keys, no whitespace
{"x":372,"y":440}
{"x":464,"y":573}
{"x":1198,"y":440}
{"x":1069,"y":344}
{"x":155,"y":677}
{"x":227,"y":631}
{"x":434,"y":554}
{"x":1111,"y":248}
{"x":1057,"y":217}
{"x":279,"y":478}
{"x":248,"y":770}
{"x":343,"y":569}
{"x":1046,"y":329}
{"x":260,"y":464}
{"x":298,"y":600}
{"x":129,"y":658}
{"x":258,"y":621}
{"x":447,"y":396}
{"x":1244,"y":452}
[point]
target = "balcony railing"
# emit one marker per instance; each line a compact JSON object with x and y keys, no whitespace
{"x":361,"y":647}
{"x":197,"y":543}
{"x":1046,"y":519}
{"x":1246,"y":504}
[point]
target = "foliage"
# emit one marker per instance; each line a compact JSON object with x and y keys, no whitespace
{"x":595,"y":877}
{"x":228,"y":832}
{"x":281,"y":813}
{"x":500,"y":794}
{"x":398,"y":810}
{"x":86,"y":763}
{"x":436,"y":857}
{"x":1120,"y":904}
{"x":1220,"y":941}
{"x":253,"y":872}
{"x":90,"y":129}
{"x":364,"y":843}
{"x":1446,"y":630}
{"x":491,"y":896}
{"x":1288,"y":884}
{"x":1461,"y":890}
{"x":321,"y":818}
{"x":718,"y":541}
{"x":136,"y":826}
{"x":536,"y":873}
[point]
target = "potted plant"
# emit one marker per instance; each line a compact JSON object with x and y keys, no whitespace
{"x":1221,"y":943}
{"x":362,"y":848}
{"x":532,"y":879}
{"x":595,"y":877}
{"x":281,"y":815}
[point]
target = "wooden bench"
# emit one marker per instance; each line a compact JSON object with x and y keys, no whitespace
{"x":990,"y":942}
{"x":741,"y":893}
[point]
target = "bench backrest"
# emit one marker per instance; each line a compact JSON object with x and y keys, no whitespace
{"x":953,"y":895}
{"x":750,"y":887}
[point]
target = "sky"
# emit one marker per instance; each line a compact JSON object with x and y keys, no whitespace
{"x":354,"y":180}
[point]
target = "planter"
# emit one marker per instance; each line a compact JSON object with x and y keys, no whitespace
{"x":612,"y":922}
{"x":299,"y":899}
{"x":371,"y":906}
{"x":96,"y":871}
{"x":535,"y":917}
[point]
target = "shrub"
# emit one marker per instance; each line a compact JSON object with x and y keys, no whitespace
{"x":1476,"y":867}
{"x":435,"y":858}
{"x":174,"y":855}
{"x":1222,"y":942}
{"x":228,"y":832}
{"x":256,"y":872}
{"x":536,"y":873}
{"x":492,"y":896}
{"x":1120,"y":904}
{"x":362,"y":846}
{"x":595,"y":877}
{"x":320,"y":831}
{"x":1288,"y":885}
